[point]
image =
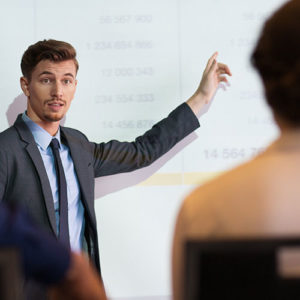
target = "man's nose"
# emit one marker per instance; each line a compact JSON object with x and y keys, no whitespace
{"x":57,"y":90}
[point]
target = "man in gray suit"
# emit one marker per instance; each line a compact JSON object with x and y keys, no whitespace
{"x":27,"y":168}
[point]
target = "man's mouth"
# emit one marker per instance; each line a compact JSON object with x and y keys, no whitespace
{"x":55,"y":106}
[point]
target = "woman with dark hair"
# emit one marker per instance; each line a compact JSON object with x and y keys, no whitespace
{"x":277,"y":59}
{"x":260,"y":198}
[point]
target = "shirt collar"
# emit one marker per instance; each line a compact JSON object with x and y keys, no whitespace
{"x":41,"y":136}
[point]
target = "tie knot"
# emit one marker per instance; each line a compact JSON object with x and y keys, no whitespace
{"x":54,"y":144}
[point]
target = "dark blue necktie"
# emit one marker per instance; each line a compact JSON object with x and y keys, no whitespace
{"x":63,"y":198}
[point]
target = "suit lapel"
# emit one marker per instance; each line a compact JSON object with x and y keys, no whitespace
{"x":81,"y":163}
{"x":33,"y":151}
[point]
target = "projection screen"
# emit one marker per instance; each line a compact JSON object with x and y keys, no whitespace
{"x":139,"y":60}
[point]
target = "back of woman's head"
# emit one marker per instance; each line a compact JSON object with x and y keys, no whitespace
{"x":277,"y":59}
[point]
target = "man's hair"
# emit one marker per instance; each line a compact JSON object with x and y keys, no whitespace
{"x":277,"y":59}
{"x":52,"y":50}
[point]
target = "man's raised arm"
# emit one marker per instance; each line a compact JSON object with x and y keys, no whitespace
{"x":213,"y":74}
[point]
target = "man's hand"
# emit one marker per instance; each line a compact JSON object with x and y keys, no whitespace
{"x":213,"y":74}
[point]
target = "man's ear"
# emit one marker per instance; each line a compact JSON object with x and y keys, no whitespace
{"x":24,"y":86}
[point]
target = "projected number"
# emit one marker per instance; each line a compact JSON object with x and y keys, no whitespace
{"x":128,"y":72}
{"x":232,"y":153}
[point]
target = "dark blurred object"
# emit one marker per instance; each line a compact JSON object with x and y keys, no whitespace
{"x":245,"y":269}
{"x":42,"y":258}
{"x":41,"y":268}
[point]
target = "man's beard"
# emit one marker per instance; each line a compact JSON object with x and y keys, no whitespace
{"x":55,"y":118}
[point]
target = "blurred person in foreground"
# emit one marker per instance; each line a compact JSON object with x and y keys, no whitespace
{"x":66,"y":275}
{"x":259,"y":198}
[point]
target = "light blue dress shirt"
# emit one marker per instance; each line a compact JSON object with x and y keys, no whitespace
{"x":75,"y":206}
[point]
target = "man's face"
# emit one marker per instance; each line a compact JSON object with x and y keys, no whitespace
{"x":50,"y":90}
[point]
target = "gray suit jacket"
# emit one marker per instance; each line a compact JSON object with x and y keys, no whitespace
{"x":24,"y":181}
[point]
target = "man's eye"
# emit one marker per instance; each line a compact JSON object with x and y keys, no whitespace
{"x":67,"y":81}
{"x":45,"y":80}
